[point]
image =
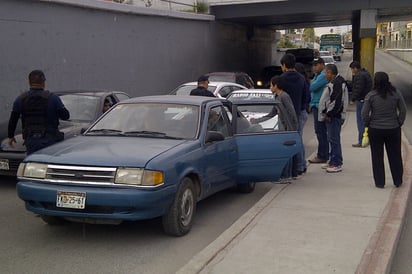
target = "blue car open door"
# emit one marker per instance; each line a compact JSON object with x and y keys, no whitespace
{"x":266,"y":139}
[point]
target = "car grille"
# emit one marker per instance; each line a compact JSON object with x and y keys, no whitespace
{"x":81,"y":174}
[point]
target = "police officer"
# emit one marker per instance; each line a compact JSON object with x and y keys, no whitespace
{"x":202,"y":85}
{"x":40,"y":111}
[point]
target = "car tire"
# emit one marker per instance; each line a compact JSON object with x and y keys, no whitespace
{"x":246,"y":188}
{"x":52,"y":220}
{"x":179,"y":219}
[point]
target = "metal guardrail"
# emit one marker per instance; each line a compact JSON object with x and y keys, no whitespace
{"x":399,"y":44}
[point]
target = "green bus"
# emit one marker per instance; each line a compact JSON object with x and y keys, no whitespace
{"x":332,"y":43}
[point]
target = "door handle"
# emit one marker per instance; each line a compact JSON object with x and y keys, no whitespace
{"x":289,"y":143}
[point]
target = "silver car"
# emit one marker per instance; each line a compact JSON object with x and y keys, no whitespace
{"x":219,"y":89}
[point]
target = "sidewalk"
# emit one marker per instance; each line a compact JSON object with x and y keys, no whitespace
{"x":321,"y":223}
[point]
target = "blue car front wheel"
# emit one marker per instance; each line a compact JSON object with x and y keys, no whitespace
{"x":179,"y":219}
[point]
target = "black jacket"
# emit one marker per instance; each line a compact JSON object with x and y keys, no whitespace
{"x":201,"y":91}
{"x":361,"y":85}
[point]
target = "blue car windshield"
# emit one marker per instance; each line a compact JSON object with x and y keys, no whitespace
{"x":154,"y":120}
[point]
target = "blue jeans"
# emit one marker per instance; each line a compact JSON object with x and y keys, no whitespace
{"x":359,"y":122}
{"x":333,"y":130}
{"x":301,"y":157}
{"x":321,"y":135}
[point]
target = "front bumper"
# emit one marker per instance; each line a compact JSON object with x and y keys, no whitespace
{"x":102,"y":202}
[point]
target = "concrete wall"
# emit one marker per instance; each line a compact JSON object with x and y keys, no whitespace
{"x":89,"y":44}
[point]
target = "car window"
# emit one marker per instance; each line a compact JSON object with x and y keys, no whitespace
{"x":217,"y":122}
{"x":158,"y":120}
{"x":225,"y":91}
{"x":81,"y":107}
{"x":262,"y":117}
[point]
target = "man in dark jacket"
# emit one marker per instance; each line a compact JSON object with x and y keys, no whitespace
{"x":40,"y":111}
{"x":202,"y":85}
{"x":294,"y":86}
{"x":361,"y":85}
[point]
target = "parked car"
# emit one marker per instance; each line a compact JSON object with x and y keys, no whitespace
{"x":219,"y":89}
{"x":324,"y":53}
{"x":154,"y":156}
{"x":263,"y":80}
{"x":238,"y":77}
{"x":84,"y":107}
{"x":304,"y":56}
{"x":328,"y":59}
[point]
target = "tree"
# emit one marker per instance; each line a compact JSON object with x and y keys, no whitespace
{"x":309,"y":35}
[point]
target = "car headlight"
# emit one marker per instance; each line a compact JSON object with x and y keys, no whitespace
{"x":138,"y":176}
{"x":32,"y":170}
{"x":259,"y":83}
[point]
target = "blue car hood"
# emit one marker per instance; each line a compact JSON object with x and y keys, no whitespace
{"x":104,"y":151}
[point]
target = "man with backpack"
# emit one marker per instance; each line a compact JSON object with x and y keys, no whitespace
{"x":40,"y":111}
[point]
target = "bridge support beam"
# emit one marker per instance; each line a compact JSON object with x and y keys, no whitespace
{"x":368,"y":39}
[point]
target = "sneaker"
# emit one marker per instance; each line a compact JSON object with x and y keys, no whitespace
{"x":356,"y":145}
{"x":333,"y":169}
{"x":324,"y":166}
{"x":316,"y":160}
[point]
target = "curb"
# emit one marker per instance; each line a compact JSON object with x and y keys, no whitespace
{"x":217,"y":248}
{"x":382,"y":246}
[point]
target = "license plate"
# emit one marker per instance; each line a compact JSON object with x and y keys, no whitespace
{"x":4,"y":164}
{"x":71,"y":199}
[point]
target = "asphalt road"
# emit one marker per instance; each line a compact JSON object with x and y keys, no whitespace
{"x":30,"y":246}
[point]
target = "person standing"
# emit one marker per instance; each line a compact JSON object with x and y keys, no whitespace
{"x":294,"y":86}
{"x":384,"y":113}
{"x":40,"y":111}
{"x":361,"y":85}
{"x":202,"y":85}
{"x":317,"y":86}
{"x":332,"y":108}
{"x":303,"y":113}
{"x":277,"y":86}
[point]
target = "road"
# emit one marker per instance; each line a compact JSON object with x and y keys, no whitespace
{"x":30,"y":246}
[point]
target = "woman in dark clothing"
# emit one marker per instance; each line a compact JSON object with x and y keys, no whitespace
{"x":384,"y":113}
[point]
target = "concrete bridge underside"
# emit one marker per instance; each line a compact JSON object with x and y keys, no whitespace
{"x":361,"y":14}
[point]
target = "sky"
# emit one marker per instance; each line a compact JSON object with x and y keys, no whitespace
{"x":325,"y":30}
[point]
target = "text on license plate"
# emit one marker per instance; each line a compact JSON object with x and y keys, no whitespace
{"x":71,"y":199}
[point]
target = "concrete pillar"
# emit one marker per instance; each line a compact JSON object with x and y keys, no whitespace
{"x":355,"y":36}
{"x":368,"y":39}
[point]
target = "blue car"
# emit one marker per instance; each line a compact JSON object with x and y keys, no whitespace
{"x":157,"y":156}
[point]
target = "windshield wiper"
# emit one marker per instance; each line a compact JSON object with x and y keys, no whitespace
{"x":147,"y":133}
{"x":106,"y":131}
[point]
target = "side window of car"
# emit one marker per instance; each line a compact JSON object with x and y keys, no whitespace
{"x":217,"y":122}
{"x":233,"y":88}
{"x":225,"y":91}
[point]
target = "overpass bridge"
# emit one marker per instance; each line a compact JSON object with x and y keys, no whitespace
{"x":289,"y":14}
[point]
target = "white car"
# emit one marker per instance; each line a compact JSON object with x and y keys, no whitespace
{"x":328,"y":59}
{"x":219,"y":89}
{"x":324,"y":53}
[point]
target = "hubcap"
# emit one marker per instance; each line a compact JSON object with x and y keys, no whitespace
{"x":186,"y":207}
